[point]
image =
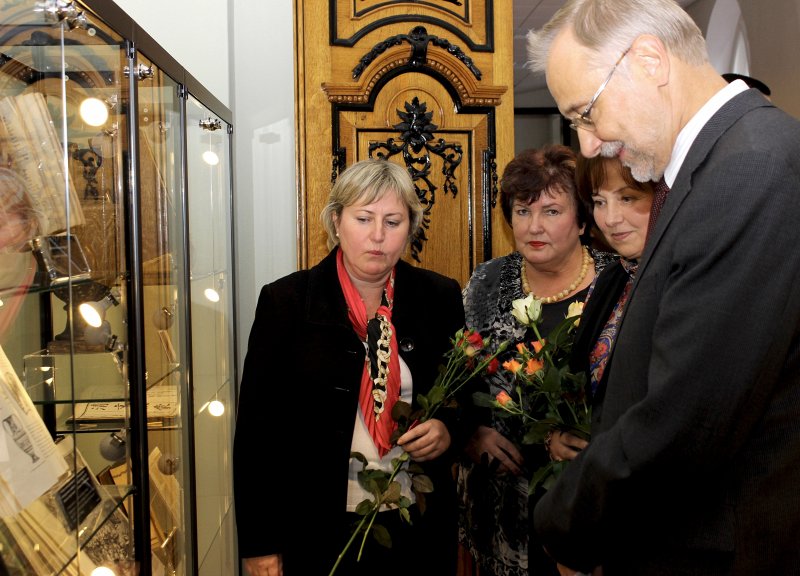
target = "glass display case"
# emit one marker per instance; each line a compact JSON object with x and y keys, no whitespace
{"x":117,"y":352}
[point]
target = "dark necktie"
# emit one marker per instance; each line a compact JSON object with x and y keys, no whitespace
{"x":660,"y":191}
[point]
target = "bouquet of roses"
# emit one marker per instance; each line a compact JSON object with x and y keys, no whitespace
{"x":468,"y":358}
{"x":546,"y":395}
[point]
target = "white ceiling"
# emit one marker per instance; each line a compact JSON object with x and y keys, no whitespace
{"x":533,"y":14}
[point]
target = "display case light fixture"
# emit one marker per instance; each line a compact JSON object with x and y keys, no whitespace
{"x":94,"y":111}
{"x":216,"y":408}
{"x":95,"y":312}
{"x":211,"y":124}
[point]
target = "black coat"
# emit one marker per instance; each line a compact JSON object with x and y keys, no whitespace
{"x":694,"y":463}
{"x":299,"y":399}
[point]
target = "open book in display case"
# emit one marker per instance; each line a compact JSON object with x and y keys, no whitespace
{"x":116,"y":301}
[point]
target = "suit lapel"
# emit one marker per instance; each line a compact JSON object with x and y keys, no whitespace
{"x":708,"y":137}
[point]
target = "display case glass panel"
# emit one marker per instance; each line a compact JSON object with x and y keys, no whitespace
{"x":64,"y":389}
{"x":163,"y":273}
{"x":212,"y":288}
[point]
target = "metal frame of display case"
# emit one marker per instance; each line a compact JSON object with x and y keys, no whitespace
{"x":137,"y":46}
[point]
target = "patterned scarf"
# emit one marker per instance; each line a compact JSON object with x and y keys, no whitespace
{"x":598,"y":357}
{"x":380,"y":381}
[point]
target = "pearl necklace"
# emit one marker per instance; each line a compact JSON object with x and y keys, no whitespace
{"x":526,"y":289}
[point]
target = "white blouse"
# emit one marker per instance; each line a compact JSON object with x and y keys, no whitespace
{"x":362,"y":442}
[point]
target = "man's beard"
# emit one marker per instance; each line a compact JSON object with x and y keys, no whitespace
{"x":642,"y":165}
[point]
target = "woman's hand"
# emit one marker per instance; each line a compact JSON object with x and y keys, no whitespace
{"x":563,"y":445}
{"x":271,"y":565}
{"x":487,"y":440}
{"x":426,"y":440}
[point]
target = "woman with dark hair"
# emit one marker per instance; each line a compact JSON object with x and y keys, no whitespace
{"x":552,"y":260}
{"x":621,"y":210}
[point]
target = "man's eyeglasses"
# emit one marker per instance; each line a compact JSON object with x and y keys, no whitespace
{"x":584,"y":121}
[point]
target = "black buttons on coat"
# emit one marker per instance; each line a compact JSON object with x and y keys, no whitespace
{"x":406,"y":344}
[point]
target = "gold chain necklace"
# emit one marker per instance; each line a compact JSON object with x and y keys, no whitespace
{"x":526,"y":289}
{"x":383,"y":355}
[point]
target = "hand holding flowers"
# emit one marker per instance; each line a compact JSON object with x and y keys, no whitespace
{"x":546,"y":395}
{"x":467,"y":359}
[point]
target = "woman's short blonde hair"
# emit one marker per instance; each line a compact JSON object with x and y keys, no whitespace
{"x":365,"y":182}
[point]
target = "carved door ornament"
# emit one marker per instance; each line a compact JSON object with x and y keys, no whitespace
{"x":417,"y":143}
{"x":390,"y":57}
{"x":419,"y":40}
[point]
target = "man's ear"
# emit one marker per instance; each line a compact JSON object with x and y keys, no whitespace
{"x":651,"y":56}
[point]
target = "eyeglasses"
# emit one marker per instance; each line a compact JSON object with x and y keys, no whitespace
{"x":584,"y":121}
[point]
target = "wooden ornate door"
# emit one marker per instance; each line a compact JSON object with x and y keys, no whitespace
{"x":423,"y":84}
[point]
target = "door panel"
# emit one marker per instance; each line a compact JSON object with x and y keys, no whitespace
{"x":418,"y":89}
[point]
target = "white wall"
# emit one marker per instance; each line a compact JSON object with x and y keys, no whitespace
{"x":194,"y":32}
{"x":264,"y":154}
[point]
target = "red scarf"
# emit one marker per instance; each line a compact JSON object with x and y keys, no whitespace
{"x":377,"y":396}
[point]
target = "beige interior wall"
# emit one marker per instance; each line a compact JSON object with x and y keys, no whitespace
{"x":773,"y":30}
{"x":774,"y":36}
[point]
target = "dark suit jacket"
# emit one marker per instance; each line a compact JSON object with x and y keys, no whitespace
{"x":298,"y":403}
{"x":694,"y":464}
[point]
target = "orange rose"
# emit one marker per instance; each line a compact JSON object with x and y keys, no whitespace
{"x":533,"y":366}
{"x":503,"y":398}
